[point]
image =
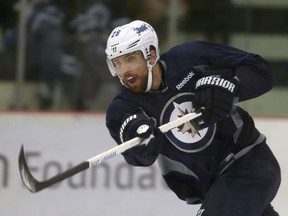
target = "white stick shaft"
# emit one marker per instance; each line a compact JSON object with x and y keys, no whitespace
{"x":170,"y":125}
{"x":136,"y":141}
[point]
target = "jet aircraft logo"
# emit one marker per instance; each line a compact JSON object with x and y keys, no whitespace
{"x":186,"y":137}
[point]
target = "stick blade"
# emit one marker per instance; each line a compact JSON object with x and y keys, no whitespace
{"x":33,"y":185}
{"x":29,"y":181}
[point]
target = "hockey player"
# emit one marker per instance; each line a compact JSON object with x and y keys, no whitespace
{"x":223,"y":161}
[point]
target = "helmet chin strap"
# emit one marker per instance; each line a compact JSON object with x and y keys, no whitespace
{"x":150,"y":76}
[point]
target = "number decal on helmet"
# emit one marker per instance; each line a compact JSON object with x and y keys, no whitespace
{"x":116,"y":33}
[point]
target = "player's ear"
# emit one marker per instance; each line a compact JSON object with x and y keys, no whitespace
{"x":153,"y":57}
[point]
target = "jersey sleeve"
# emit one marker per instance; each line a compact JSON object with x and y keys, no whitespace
{"x":195,"y":59}
{"x":143,"y":155}
{"x":254,"y":73}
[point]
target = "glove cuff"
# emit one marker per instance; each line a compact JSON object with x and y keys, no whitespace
{"x":136,"y":125}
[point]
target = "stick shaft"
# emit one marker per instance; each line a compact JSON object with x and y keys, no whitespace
{"x":136,"y":141}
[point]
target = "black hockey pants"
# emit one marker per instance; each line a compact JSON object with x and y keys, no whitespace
{"x":246,"y":188}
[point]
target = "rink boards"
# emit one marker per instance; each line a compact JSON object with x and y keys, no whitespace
{"x":56,"y":141}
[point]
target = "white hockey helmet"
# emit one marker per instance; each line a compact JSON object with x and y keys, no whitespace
{"x":131,"y":37}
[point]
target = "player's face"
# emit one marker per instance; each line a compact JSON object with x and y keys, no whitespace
{"x":132,"y":69}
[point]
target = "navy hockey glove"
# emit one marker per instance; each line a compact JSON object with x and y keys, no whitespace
{"x":138,"y":125}
{"x":216,"y":95}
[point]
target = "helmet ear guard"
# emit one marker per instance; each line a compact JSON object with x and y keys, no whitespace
{"x":111,"y":67}
{"x":148,"y":56}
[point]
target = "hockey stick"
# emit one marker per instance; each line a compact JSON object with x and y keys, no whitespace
{"x":34,"y":186}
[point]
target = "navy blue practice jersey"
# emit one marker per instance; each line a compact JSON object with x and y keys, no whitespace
{"x":191,"y":159}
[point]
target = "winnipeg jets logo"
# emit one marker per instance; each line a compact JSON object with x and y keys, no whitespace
{"x":186,"y":137}
{"x":141,"y":29}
